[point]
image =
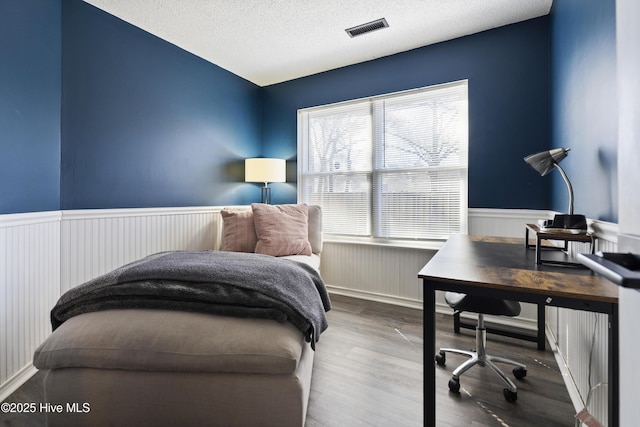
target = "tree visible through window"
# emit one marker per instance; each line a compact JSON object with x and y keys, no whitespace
{"x":393,"y":166}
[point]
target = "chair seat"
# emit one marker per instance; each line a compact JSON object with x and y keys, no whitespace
{"x":482,"y":305}
{"x":477,"y":304}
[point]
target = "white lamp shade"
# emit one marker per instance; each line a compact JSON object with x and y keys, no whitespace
{"x":265,"y":170}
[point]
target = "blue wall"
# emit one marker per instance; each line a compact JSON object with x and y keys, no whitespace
{"x":144,"y":123}
{"x":585,"y":115}
{"x":147,"y":124}
{"x":29,"y":106}
{"x":509,"y":75}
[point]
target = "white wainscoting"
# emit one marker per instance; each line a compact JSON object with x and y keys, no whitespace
{"x":29,"y":287}
{"x":379,"y":273}
{"x":44,"y":254}
{"x":390,"y":273}
{"x":504,"y":222}
{"x":95,"y":242}
{"x":581,"y":339}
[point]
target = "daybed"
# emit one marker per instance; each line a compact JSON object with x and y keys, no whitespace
{"x":148,"y":363}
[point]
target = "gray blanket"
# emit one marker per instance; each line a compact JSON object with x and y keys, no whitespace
{"x":227,"y":283}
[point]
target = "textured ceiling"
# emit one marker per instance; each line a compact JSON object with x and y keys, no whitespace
{"x":270,"y":41}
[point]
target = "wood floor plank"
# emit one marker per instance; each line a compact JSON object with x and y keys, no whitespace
{"x":368,"y":371}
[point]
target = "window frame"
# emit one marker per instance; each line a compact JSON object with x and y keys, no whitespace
{"x":375,"y":173}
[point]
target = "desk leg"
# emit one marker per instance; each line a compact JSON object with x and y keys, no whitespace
{"x":538,"y":249}
{"x":456,"y":322}
{"x":541,"y":326}
{"x":429,"y":355}
{"x":614,"y":372}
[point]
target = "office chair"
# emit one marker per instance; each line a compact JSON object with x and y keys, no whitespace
{"x":482,"y":306}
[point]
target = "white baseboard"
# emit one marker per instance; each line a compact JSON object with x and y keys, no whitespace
{"x":14,"y":383}
{"x":371,"y":296}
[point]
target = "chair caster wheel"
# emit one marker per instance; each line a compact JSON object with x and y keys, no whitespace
{"x":509,"y":395}
{"x":454,"y":385}
{"x":441,"y":358}
{"x":519,"y":373}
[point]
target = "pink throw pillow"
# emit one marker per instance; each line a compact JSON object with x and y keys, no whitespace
{"x":239,"y":233}
{"x":281,"y":229}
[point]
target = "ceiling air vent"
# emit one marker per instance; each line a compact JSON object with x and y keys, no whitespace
{"x":358,"y":30}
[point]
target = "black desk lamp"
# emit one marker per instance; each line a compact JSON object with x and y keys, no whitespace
{"x":543,"y":163}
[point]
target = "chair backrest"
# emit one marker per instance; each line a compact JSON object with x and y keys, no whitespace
{"x":481,"y":304}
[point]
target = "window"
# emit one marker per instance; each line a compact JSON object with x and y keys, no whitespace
{"x":392,"y":166}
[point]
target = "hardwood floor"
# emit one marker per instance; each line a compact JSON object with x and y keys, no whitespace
{"x":369,"y":372}
{"x":368,"y":367}
{"x":543,"y":399}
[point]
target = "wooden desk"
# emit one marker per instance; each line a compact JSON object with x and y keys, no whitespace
{"x":505,"y":268}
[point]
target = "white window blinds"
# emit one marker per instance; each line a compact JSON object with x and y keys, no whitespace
{"x":393,"y":166}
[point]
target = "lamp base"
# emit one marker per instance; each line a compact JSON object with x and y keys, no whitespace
{"x":265,"y":195}
{"x":569,"y":223}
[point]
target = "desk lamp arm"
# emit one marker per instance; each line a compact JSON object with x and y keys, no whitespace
{"x":569,"y":187}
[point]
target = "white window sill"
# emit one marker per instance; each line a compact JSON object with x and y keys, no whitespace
{"x":433,"y":245}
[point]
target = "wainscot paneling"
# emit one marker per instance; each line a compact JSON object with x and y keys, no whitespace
{"x":375,"y":272}
{"x":388,"y":273}
{"x":29,"y":287}
{"x":581,"y":339}
{"x":45,"y":254}
{"x":96,"y":242}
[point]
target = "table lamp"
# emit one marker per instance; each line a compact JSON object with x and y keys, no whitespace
{"x":265,"y":170}
{"x":543,"y":163}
